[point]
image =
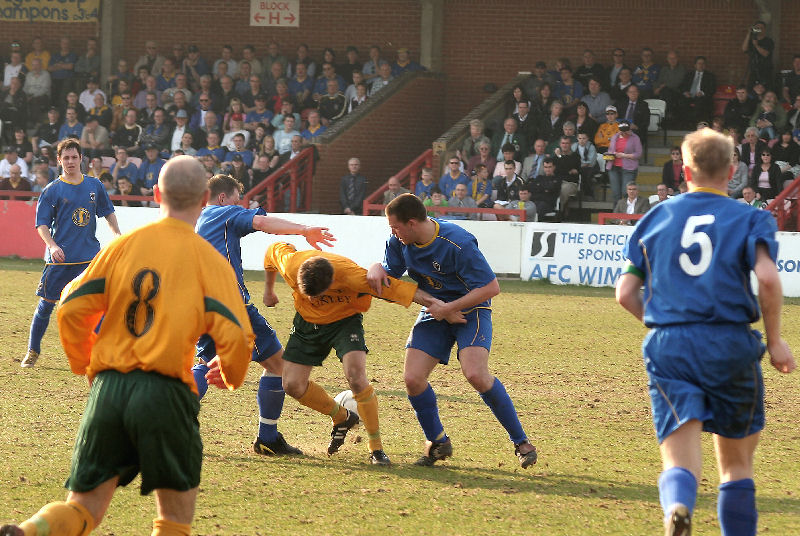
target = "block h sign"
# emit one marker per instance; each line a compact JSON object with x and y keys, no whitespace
{"x":284,"y":13}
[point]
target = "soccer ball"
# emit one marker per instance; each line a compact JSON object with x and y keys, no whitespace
{"x":345,"y":398}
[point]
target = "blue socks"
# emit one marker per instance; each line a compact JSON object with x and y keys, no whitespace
{"x":736,"y":508}
{"x":41,"y":318}
{"x":199,"y":372}
{"x":270,"y":404}
{"x":424,"y":405}
{"x":503,"y":408}
{"x":677,"y":485}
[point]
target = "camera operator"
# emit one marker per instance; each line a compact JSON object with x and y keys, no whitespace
{"x":758,"y":48}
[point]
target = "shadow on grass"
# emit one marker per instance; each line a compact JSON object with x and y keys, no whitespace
{"x":449,"y":475}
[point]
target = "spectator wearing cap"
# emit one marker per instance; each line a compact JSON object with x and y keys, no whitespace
{"x":71,"y":128}
{"x":12,"y":159}
{"x":47,"y":132}
{"x":41,"y":166}
{"x":597,"y":100}
{"x":13,"y":69}
{"x":94,"y":139}
{"x":240,"y":150}
{"x":260,"y":114}
{"x":194,"y":66}
{"x":149,"y":169}
{"x":61,"y":67}
{"x":181,"y":128}
{"x":332,"y":105}
{"x":86,"y":97}
{"x":315,"y":127}
{"x":404,"y":63}
{"x":88,"y":65}
{"x":626,"y":148}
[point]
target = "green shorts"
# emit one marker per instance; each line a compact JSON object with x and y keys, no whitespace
{"x":310,"y":344}
{"x":138,"y":422}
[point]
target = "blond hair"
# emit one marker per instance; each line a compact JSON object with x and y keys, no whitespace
{"x":708,"y":154}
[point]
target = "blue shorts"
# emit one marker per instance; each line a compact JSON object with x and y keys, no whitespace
{"x":709,"y":372}
{"x":55,"y":277}
{"x":266,"y":344}
{"x":436,"y":338}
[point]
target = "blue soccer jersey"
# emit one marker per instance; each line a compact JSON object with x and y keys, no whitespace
{"x":71,"y":212}
{"x":224,"y":226}
{"x":695,"y":253}
{"x":447,"y":267}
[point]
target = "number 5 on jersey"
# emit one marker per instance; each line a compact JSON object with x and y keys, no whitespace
{"x":690,"y":237}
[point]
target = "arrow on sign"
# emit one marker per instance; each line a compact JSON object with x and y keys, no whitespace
{"x":259,"y":17}
{"x":290,"y":17}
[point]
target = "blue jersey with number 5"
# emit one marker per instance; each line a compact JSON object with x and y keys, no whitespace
{"x":695,"y":253}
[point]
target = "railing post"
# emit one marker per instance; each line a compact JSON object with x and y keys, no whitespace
{"x":293,"y":189}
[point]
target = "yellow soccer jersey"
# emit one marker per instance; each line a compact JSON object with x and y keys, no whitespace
{"x":160,"y":288}
{"x":348,"y":294}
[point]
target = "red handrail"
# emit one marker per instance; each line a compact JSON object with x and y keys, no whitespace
{"x":785,"y":207}
{"x":603,"y":216}
{"x":14,"y":194}
{"x":407,"y":175}
{"x":295,"y":173}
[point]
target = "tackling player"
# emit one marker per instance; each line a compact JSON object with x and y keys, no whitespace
{"x":223,"y":223}
{"x":160,"y":288}
{"x":445,"y":261}
{"x":330,"y":294}
{"x":66,"y":220}
{"x":701,"y":356}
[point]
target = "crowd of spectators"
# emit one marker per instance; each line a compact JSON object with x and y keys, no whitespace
{"x":247,"y":115}
{"x":240,"y":113}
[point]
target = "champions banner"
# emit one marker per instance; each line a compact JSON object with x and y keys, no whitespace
{"x":50,"y":10}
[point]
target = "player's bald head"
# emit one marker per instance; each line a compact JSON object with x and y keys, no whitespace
{"x":182,"y":183}
{"x":708,"y":155}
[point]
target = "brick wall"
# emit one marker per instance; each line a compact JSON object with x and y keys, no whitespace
{"x":403,"y":136}
{"x":51,"y":33}
{"x":209,"y":25}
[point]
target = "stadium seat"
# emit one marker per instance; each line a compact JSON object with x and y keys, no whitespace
{"x":601,"y":177}
{"x":658,"y":111}
{"x":135,"y":160}
{"x":108,"y":161}
{"x":723,"y":94}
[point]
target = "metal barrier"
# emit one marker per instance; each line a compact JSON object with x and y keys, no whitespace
{"x":407,"y":177}
{"x":785,"y":208}
{"x":291,"y":182}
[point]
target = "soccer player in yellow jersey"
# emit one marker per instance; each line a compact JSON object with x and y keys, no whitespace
{"x":157,"y":289}
{"x":330,"y":294}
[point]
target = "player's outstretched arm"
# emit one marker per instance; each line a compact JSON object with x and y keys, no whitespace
{"x":770,"y":296}
{"x":377,"y":278}
{"x":277,"y":226}
{"x":113,"y":224}
{"x":628,"y":295}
